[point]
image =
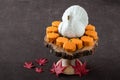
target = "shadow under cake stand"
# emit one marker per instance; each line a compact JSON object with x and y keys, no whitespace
{"x":70,"y":60}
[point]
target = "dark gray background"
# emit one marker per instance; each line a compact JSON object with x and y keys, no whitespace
{"x":22,"y":29}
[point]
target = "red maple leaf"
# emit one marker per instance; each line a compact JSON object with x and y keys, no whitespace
{"x":53,"y":68}
{"x":38,"y":70}
{"x":80,"y":69}
{"x":41,"y":61}
{"x":84,"y":71}
{"x":28,"y":65}
{"x":57,"y":69}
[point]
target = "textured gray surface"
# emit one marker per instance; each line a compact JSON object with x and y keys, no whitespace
{"x":22,"y":28}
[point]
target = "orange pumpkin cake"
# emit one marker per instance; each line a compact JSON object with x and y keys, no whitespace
{"x":90,"y":27}
{"x":88,"y":41}
{"x":69,"y":46}
{"x":91,"y":34}
{"x":56,"y":23}
{"x":51,"y":29}
{"x":60,"y":41}
{"x":78,"y":42}
{"x":52,"y":36}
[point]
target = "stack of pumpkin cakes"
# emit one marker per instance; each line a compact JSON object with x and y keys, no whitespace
{"x":71,"y":48}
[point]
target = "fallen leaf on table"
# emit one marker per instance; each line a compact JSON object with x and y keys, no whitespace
{"x":28,"y":65}
{"x":38,"y":70}
{"x":41,"y":61}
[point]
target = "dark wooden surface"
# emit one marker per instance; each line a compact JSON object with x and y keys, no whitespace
{"x":22,"y":29}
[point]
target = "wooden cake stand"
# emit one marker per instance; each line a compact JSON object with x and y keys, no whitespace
{"x":69,"y":63}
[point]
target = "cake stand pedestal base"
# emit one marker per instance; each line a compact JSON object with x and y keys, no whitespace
{"x":69,"y":67}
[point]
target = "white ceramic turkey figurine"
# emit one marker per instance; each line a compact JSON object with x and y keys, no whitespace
{"x":74,"y":22}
